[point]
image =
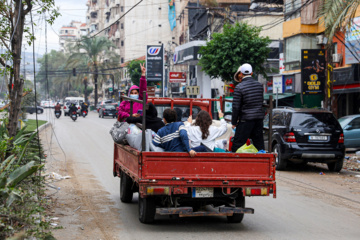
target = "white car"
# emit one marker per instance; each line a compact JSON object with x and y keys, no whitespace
{"x":66,"y":108}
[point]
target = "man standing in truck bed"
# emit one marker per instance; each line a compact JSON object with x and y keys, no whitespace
{"x":247,"y":110}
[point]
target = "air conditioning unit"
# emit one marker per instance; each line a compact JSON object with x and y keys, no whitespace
{"x":336,"y":58}
{"x":321,"y":39}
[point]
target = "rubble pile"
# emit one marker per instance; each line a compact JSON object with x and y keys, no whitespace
{"x":352,"y":162}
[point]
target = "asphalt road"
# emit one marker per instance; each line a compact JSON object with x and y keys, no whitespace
{"x":308,"y":205}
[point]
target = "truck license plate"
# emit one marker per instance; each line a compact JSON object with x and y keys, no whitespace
{"x":203,"y":192}
{"x":318,"y":138}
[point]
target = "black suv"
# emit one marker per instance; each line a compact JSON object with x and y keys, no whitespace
{"x":304,"y":135}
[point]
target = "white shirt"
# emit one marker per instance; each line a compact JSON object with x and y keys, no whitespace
{"x":194,"y":134}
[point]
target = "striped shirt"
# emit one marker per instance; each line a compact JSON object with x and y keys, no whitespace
{"x":173,"y":138}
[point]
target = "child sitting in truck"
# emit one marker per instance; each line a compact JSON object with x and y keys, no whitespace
{"x":202,"y":135}
{"x":173,"y":137}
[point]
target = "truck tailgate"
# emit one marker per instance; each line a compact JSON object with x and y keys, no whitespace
{"x":231,"y":167}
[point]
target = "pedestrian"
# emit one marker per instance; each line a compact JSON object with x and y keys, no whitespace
{"x":247,"y":109}
{"x":136,"y":93}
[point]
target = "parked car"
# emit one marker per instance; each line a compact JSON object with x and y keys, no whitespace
{"x":66,"y":108}
{"x":107,"y":110}
{"x":305,"y":135}
{"x":351,"y":127}
{"x":32,"y":110}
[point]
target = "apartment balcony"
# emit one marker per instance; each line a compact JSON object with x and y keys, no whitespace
{"x":107,"y":11}
{"x":117,"y":51}
{"x":113,"y":4}
{"x":116,"y":17}
{"x":117,"y":2}
{"x":117,"y":34}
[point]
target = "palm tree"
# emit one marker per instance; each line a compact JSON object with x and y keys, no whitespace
{"x":92,"y":51}
{"x":337,"y":15}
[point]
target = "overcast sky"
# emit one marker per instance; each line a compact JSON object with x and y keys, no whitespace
{"x":70,"y":10}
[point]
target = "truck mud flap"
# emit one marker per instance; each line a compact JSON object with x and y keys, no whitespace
{"x":188,"y":211}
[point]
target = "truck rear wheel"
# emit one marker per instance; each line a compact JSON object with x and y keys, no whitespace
{"x":280,"y":162}
{"x":126,"y":194}
{"x":237,"y":217}
{"x":147,"y":209}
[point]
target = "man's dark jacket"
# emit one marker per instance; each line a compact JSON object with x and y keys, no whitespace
{"x":248,"y":100}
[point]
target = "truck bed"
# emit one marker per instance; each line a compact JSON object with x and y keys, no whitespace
{"x":204,"y":170}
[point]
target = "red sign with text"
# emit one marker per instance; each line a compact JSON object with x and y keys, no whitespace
{"x":177,"y":77}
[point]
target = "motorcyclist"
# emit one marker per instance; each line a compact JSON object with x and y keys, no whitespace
{"x":58,"y":108}
{"x":72,"y":108}
{"x":84,"y":107}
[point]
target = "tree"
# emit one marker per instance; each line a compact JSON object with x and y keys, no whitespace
{"x":134,"y":71}
{"x":238,"y":44}
{"x":12,"y":29}
{"x":55,"y":84}
{"x":337,"y":15}
{"x":96,"y":52}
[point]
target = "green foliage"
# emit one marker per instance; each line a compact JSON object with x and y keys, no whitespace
{"x":336,"y":15}
{"x":20,"y":188}
{"x":134,"y":71}
{"x":238,"y":44}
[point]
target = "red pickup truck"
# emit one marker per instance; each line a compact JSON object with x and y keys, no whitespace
{"x":209,"y":184}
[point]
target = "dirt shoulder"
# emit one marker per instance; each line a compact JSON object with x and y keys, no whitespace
{"x":81,"y":206}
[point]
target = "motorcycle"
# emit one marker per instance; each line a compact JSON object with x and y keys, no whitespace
{"x":84,"y":113}
{"x":57,"y":114}
{"x":73,"y":116}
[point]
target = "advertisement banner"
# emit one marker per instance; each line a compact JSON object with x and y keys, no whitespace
{"x":177,"y":77}
{"x":312,"y":71}
{"x":352,"y":42}
{"x":155,"y":63}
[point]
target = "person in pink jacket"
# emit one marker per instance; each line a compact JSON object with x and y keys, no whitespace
{"x":136,"y":93}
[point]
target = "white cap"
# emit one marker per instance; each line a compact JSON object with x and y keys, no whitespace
{"x":246,"y":68}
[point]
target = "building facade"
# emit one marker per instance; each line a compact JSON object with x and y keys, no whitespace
{"x":70,"y":33}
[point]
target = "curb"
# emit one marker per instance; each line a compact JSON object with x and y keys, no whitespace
{"x":42,"y":127}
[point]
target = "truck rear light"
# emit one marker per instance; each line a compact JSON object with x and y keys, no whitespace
{"x":64,"y":107}
{"x":158,"y":190}
{"x":256,"y":191}
{"x":289,"y":137}
{"x":78,"y":107}
{"x":341,"y":138}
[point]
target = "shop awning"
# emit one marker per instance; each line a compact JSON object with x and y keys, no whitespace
{"x":280,"y":96}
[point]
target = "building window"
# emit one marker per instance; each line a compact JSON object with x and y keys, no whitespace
{"x":292,"y":8}
{"x":293,"y":46}
{"x":122,"y":43}
{"x":121,"y":8}
{"x":122,"y":60}
{"x":122,"y":26}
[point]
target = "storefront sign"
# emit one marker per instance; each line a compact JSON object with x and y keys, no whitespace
{"x":281,"y":63}
{"x":289,"y":82}
{"x":151,"y":91}
{"x":278,"y":84}
{"x":312,"y":71}
{"x":155,"y":63}
{"x":177,"y":77}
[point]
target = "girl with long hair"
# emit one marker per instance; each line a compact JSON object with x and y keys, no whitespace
{"x":202,"y":134}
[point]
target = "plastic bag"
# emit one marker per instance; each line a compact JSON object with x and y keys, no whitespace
{"x":119,"y":131}
{"x":222,"y":143}
{"x":133,"y":129}
{"x":247,"y":149}
{"x":135,"y":140}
